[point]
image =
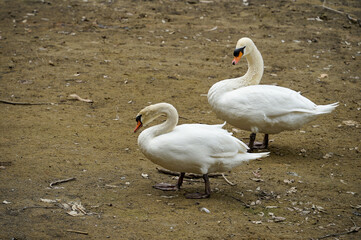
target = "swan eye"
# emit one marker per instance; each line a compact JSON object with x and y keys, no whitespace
{"x":237,"y":51}
{"x":138,"y":118}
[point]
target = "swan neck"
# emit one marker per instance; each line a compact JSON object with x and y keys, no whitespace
{"x":252,"y":77}
{"x":170,"y":123}
{"x":255,"y":68}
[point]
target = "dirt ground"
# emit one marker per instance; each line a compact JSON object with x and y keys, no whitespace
{"x":124,"y":55}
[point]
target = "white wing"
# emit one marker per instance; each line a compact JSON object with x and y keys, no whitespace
{"x":196,"y":148}
{"x":268,"y":101}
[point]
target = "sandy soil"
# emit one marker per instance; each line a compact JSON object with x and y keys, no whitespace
{"x":124,"y":55}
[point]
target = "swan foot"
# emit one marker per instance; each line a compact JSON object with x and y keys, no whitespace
{"x":166,"y":187}
{"x":207,"y":192}
{"x":257,"y":145}
{"x":171,"y":187}
{"x":197,"y":195}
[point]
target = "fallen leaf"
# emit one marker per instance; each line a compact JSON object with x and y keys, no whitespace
{"x":256,"y":174}
{"x":292,"y":190}
{"x":74,"y":213}
{"x":257,"y":179}
{"x":292,"y":174}
{"x":203,"y":209}
{"x":354,"y":229}
{"x":350,"y":123}
{"x":288,"y":181}
{"x":165,"y":196}
{"x":328,"y":155}
{"x":212,"y":29}
{"x":76,"y":209}
{"x":76,"y":97}
{"x":49,"y":200}
{"x":235,"y":129}
{"x":323,"y":75}
{"x":279,"y":219}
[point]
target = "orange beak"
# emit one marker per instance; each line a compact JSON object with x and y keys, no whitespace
{"x":236,"y":59}
{"x":139,"y":125}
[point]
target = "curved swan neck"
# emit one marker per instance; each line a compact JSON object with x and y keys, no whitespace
{"x":255,"y":68}
{"x":171,"y":121}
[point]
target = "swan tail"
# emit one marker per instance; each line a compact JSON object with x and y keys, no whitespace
{"x":250,"y":156}
{"x":222,"y":124}
{"x":323,"y":109}
{"x":259,"y":155}
{"x":229,"y":163}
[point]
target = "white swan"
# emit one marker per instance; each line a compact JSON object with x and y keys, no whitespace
{"x":192,"y":148}
{"x":260,"y":108}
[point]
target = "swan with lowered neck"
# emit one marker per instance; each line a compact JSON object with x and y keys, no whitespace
{"x":257,"y":108}
{"x":191,"y":148}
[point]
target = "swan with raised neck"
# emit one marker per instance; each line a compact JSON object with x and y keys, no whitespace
{"x":257,"y":108}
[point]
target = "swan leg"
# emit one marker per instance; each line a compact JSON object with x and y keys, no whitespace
{"x":252,"y":138}
{"x":257,"y":145}
{"x":265,"y":140}
{"x":207,"y":191}
{"x":170,"y":187}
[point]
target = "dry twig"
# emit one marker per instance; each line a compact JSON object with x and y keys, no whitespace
{"x":45,"y":207}
{"x":76,"y":231}
{"x":61,"y":181}
{"x":239,"y":200}
{"x":227,"y":181}
{"x":23,"y":103}
{"x":353,"y":229}
{"x":71,"y":97}
{"x":353,"y":20}
{"x":5,"y":163}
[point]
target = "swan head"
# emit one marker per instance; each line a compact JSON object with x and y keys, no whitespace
{"x":244,"y":47}
{"x":146,"y":115}
{"x":151,"y":112}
